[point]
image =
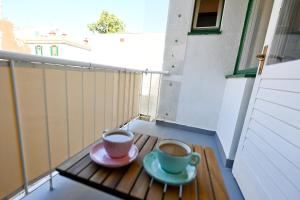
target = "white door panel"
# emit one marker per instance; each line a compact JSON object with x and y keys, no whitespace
{"x":279,"y":143}
{"x":248,"y":178}
{"x":267,"y":164}
{"x":288,"y":99}
{"x":281,"y":112}
{"x":282,"y":71}
{"x":266,"y":178}
{"x":273,"y":127}
{"x":270,"y":173}
{"x":291,"y":134}
{"x":281,"y":85}
{"x":282,"y":164}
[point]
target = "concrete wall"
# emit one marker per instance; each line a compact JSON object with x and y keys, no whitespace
{"x":233,"y":111}
{"x":192,"y":95}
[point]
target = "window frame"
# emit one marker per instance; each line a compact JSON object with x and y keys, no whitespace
{"x":36,"y":50}
{"x":250,"y":72}
{"x":51,"y":50}
{"x":207,"y":30}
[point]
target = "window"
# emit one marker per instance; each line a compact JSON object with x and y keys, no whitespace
{"x":39,"y":50}
{"x":54,"y":50}
{"x":207,"y":16}
{"x":286,"y":41}
{"x":253,"y":37}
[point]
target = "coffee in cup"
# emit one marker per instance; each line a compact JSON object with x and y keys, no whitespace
{"x":173,"y":149}
{"x":117,"y":142}
{"x":174,"y":155}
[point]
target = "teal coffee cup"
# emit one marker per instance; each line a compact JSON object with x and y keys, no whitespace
{"x":174,"y":156}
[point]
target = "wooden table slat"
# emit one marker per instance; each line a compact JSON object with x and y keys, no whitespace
{"x":217,"y":181}
{"x":141,"y":186}
{"x":142,"y":140}
{"x":77,"y":157}
{"x":100,"y":175}
{"x":87,"y":172}
{"x":172,"y":193}
{"x":115,"y":176}
{"x":156,"y":191}
{"x":189,"y":191}
{"x":132,"y":173}
{"x":137,"y":136}
{"x":78,"y":167}
{"x":203,"y":180}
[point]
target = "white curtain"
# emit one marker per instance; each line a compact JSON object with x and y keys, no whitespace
{"x":286,"y":42}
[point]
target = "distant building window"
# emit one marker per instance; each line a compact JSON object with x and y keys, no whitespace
{"x":54,"y":50}
{"x":207,"y":15}
{"x":39,"y":50}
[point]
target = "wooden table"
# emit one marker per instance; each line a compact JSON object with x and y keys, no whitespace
{"x":132,"y":182}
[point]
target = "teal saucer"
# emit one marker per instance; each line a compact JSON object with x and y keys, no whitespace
{"x":152,"y":167}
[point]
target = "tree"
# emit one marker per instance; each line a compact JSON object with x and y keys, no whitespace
{"x":107,"y":23}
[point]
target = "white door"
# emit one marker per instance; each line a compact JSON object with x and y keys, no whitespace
{"x":267,"y":164}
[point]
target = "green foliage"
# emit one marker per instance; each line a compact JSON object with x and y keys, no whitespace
{"x":107,"y":23}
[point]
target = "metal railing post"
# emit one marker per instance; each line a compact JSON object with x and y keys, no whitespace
{"x":132,"y":110}
{"x":149,"y":95}
{"x":118,"y":99}
{"x":129,"y":97}
{"x":19,"y":126}
{"x":82,"y":110}
{"x":67,"y":113}
{"x":47,"y":130}
{"x":112,"y":101}
{"x":95,"y":90}
{"x":124,"y":118}
{"x":157,"y":99}
{"x":141,"y":94}
{"x":104,"y":119}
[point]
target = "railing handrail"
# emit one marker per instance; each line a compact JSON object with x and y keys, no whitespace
{"x":8,"y":55}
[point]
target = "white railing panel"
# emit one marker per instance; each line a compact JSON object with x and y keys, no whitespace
{"x":57,"y":115}
{"x":30,"y":88}
{"x":10,"y":169}
{"x":89,"y":106}
{"x":100,"y":103}
{"x":63,"y":106}
{"x":75,"y":104}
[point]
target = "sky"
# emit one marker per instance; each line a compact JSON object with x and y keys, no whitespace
{"x":74,"y":15}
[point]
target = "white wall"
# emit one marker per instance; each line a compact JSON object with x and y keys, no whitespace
{"x":233,"y":110}
{"x":74,"y":53}
{"x":64,"y":51}
{"x":137,"y":50}
{"x":202,"y":62}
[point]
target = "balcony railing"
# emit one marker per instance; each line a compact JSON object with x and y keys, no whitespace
{"x":51,"y":108}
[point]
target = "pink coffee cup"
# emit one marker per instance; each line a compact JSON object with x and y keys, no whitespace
{"x":117,"y":142}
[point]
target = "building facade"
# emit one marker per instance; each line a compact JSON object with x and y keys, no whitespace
{"x":59,"y":45}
